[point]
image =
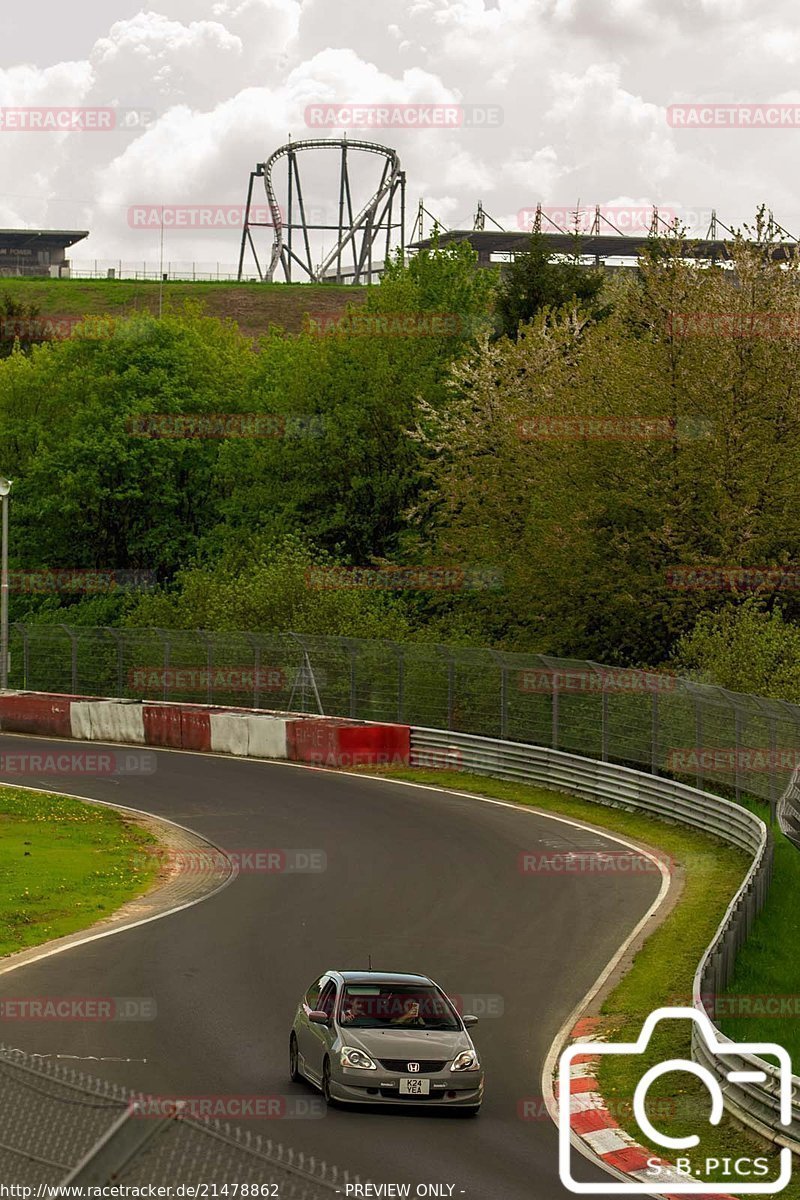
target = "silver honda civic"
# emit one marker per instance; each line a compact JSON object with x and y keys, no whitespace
{"x":369,"y":1037}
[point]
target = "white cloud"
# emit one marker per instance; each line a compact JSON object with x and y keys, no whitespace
{"x":584,"y":87}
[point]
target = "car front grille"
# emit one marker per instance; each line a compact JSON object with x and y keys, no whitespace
{"x":427,"y":1066}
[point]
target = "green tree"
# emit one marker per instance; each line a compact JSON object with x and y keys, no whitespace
{"x":20,"y":327}
{"x":745,"y":648}
{"x":591,"y":458}
{"x":263,"y":585}
{"x":347,"y":470}
{"x":537,"y":280}
{"x":89,"y":491}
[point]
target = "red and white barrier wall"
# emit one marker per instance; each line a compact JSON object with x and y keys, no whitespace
{"x":247,"y":733}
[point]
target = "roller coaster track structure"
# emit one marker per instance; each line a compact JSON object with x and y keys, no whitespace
{"x":357,"y":233}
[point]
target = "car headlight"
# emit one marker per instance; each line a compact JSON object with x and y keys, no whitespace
{"x":358,"y":1059}
{"x":467,"y":1060}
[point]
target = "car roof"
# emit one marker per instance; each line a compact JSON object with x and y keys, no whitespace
{"x":380,"y":977}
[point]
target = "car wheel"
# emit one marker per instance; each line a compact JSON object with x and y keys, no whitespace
{"x":294,"y":1060}
{"x":326,"y":1084}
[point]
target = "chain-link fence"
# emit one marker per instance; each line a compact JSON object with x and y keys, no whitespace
{"x":62,"y":1126}
{"x":698,"y":733}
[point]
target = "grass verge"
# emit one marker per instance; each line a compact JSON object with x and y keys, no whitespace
{"x":64,"y":865}
{"x":663,"y":970}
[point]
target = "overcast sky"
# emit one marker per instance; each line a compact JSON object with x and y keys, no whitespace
{"x":584,"y":87}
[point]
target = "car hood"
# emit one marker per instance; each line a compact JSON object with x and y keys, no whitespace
{"x":410,"y":1044}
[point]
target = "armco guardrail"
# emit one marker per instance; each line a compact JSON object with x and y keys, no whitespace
{"x":756,"y":1105}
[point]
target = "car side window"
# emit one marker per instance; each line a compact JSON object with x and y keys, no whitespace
{"x":312,"y":995}
{"x":327,"y":999}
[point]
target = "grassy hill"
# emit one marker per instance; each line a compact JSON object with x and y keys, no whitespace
{"x":255,"y":306}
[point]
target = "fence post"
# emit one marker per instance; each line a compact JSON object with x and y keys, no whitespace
{"x":73,"y":638}
{"x":116,"y":636}
{"x":447,"y":653}
{"x":401,"y":683}
{"x":165,"y":641}
{"x":655,"y":734}
{"x":208,"y":639}
{"x":737,"y":749}
{"x":604,"y":725}
{"x":554,"y":696}
{"x":23,"y":629}
{"x":256,"y":648}
{"x":698,"y":738}
{"x":351,"y":650}
{"x":129,"y":1134}
{"x":504,"y":701}
{"x":773,"y":771}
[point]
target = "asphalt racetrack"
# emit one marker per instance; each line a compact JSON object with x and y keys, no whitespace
{"x":422,"y":881}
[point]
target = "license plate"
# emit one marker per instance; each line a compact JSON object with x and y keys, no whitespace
{"x":415,"y":1087}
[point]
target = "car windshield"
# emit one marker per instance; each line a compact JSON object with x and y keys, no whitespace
{"x":396,"y":1006}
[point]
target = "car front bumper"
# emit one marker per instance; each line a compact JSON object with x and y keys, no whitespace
{"x":447,"y":1089}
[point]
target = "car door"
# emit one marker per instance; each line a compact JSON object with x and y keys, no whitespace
{"x":306,"y":1039}
{"x":320,"y":1037}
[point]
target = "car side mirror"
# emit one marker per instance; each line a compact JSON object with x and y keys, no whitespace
{"x":318,"y":1017}
{"x":469,"y":1020}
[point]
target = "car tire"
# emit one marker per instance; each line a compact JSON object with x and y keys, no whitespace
{"x":294,"y":1061}
{"x":326,"y":1084}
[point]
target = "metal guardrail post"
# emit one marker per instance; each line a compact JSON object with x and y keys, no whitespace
{"x":124,"y":1140}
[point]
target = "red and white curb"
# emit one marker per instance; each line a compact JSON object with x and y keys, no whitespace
{"x":592,"y":1123}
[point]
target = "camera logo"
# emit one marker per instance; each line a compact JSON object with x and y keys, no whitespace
{"x":742,"y":1177}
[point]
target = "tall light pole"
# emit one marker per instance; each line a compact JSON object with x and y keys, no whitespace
{"x":5,"y":489}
